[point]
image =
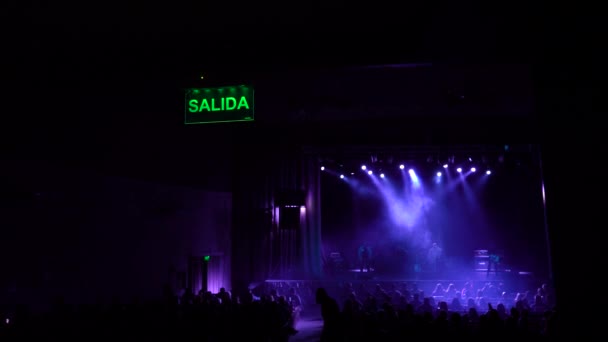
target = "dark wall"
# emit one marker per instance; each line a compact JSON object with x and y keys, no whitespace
{"x":403,"y":91}
{"x":85,"y":236}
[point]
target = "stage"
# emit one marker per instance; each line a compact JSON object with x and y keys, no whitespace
{"x":512,"y":281}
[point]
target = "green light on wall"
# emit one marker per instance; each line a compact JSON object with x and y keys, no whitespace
{"x":224,"y":104}
{"x":207,"y":257}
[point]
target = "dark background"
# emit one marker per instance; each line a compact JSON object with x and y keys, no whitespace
{"x":73,"y":74}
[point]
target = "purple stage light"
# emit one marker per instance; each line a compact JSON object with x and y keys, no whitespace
{"x":438,"y":174}
{"x":473,"y":169}
{"x":363,"y":167}
{"x":488,"y":172}
{"x":445,"y":166}
{"x":402,"y":166}
{"x":459,"y":169}
{"x":382,"y":175}
{"x":342,"y":176}
{"x":322,"y":168}
{"x":369,"y":172}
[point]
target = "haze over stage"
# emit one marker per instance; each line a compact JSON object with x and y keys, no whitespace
{"x":402,"y":200}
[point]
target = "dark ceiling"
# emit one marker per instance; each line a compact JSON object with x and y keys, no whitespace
{"x":75,"y":68}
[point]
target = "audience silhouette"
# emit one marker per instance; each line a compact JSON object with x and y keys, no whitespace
{"x":383,"y":311}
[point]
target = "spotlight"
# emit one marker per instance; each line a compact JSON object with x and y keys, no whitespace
{"x":445,"y":166}
{"x":488,"y":172}
{"x":459,"y":169}
{"x":322,"y":168}
{"x":369,"y":172}
{"x":382,"y":175}
{"x":352,"y":173}
{"x":410,"y":170}
{"x":341,"y":176}
{"x":438,"y":174}
{"x":473,"y":169}
{"x":363,"y":167}
{"x":402,"y":166}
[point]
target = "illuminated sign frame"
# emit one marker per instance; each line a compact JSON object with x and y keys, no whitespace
{"x":220,"y":104}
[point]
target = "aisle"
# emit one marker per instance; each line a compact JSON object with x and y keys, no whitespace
{"x":309,"y":328}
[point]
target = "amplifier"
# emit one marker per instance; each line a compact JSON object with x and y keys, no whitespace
{"x":481,"y":263}
{"x":481,"y":252}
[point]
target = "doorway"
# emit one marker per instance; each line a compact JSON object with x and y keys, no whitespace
{"x":206,"y":273}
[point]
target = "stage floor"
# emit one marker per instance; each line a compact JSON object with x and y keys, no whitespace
{"x":517,"y":281}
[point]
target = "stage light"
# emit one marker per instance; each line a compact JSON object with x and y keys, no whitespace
{"x":382,"y":175}
{"x":352,"y":173}
{"x":402,"y":166}
{"x":459,"y":170}
{"x":473,"y":169}
{"x":322,"y":168}
{"x":438,"y":174}
{"x":414,"y":178}
{"x":363,"y":167}
{"x":342,"y":176}
{"x":488,"y":172}
{"x":369,"y":172}
{"x":445,"y":166}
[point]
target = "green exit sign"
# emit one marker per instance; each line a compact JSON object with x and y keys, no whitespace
{"x":224,"y":104}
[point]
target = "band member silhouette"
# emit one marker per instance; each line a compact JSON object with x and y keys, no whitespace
{"x":365,"y":255}
{"x":493,"y":262}
{"x":434,"y":257}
